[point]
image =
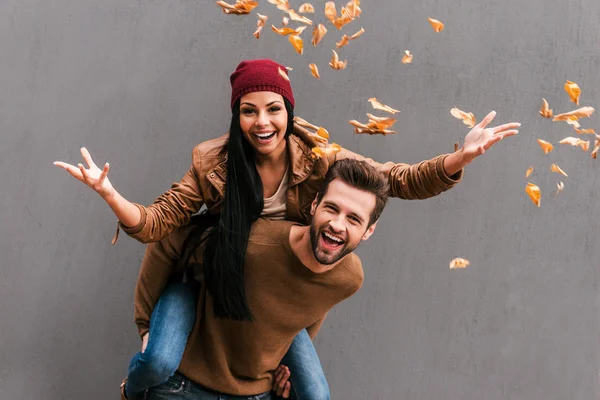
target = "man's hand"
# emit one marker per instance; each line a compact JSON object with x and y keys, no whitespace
{"x":281,"y":381}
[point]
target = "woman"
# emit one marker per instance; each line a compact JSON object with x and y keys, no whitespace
{"x":266,"y":165}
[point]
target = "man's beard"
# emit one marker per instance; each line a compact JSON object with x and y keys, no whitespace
{"x":327,"y":259}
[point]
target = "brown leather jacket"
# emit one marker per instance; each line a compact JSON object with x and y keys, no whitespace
{"x":204,"y":184}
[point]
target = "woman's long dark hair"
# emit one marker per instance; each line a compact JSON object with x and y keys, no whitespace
{"x":225,"y":251}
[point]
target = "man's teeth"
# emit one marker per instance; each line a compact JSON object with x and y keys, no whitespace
{"x":264,"y":135}
{"x":335,"y":239}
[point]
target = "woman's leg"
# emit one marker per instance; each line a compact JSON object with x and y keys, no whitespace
{"x":171,"y":322}
{"x":306,"y":373}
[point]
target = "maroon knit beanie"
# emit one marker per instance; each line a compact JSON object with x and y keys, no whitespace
{"x":259,"y":76}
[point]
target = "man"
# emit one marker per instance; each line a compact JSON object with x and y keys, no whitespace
{"x":293,"y":275}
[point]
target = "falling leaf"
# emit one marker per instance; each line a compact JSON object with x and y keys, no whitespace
{"x":347,"y":14}
{"x":573,"y":90}
{"x":314,"y":70}
{"x":262,"y":20}
{"x":305,"y":124}
{"x":294,"y":16}
{"x":335,"y":62}
{"x":322,"y":132}
{"x":559,"y":188}
{"x":283,"y":5}
{"x":459,"y":263}
{"x":437,"y":25}
{"x":376,"y":125}
{"x":534,"y":193}
{"x":288,"y":31}
{"x":573,"y":141}
{"x":585,"y":131}
{"x":379,"y":106}
{"x":318,"y":152}
{"x":330,"y":11}
{"x":467,"y":118}
{"x":297,"y":42}
{"x":283,"y":74}
{"x":285,"y":21}
{"x":241,"y":7}
{"x":556,"y":168}
{"x":578,"y":113}
{"x":357,"y":34}
{"x":345,"y":40}
{"x":596,"y":147}
{"x":407,"y":59}
{"x":545,"y":112}
{"x":306,"y":8}
{"x":318,"y":34}
{"x":529,"y":171}
{"x":546,"y":146}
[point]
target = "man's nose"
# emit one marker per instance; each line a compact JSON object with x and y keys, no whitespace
{"x":336,"y":224}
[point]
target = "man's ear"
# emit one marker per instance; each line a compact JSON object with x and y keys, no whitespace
{"x":369,"y":231}
{"x":313,"y":206}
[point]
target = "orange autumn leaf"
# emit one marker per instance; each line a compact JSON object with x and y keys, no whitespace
{"x":262,"y":20}
{"x":330,"y":11}
{"x":318,"y":34}
{"x":437,"y":25}
{"x":335,"y":62}
{"x":285,"y":21}
{"x":306,"y":8}
{"x":241,"y":7}
{"x":575,"y":114}
{"x":379,"y":106}
{"x":294,"y":16}
{"x":304,"y":123}
{"x":376,"y":125}
{"x":283,"y":5}
{"x":459,"y":263}
{"x":322,"y":132}
{"x":298,"y":43}
{"x":357,"y":34}
{"x":283,"y":74}
{"x":345,"y":40}
{"x":585,"y":131}
{"x":467,"y":118}
{"x":288,"y":31}
{"x":573,"y":141}
{"x":534,"y":193}
{"x":528,"y":172}
{"x":596,"y":147}
{"x":408,"y":58}
{"x":545,"y":111}
{"x":573,"y":91}
{"x":556,"y":168}
{"x":546,"y":146}
{"x":314,"y":70}
{"x":347,"y":14}
{"x":318,"y":152}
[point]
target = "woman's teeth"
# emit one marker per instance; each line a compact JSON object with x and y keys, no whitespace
{"x":265,"y":136}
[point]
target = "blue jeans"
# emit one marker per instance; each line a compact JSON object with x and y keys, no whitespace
{"x":178,"y":387}
{"x":170,"y":325}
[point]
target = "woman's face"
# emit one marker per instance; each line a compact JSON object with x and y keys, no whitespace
{"x":263,"y":119}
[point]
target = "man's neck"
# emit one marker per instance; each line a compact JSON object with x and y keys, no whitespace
{"x":302,"y":247}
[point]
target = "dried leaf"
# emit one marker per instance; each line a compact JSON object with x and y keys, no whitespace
{"x":283,"y":74}
{"x":437,"y":25}
{"x":546,"y":146}
{"x":262,"y":20}
{"x":357,"y":34}
{"x":306,"y":8}
{"x":459,"y":263}
{"x":529,"y":171}
{"x":534,"y":193}
{"x":345,"y":40}
{"x":575,"y":114}
{"x":305,"y":124}
{"x":294,"y":16}
{"x":379,"y":106}
{"x":585,"y":131}
{"x":556,"y":168}
{"x":288,"y":31}
{"x":241,"y":7}
{"x":285,"y":21}
{"x":573,"y":90}
{"x":545,"y":111}
{"x":314,"y":70}
{"x":318,"y":34}
{"x":318,"y":152}
{"x":298,"y":43}
{"x":559,"y":188}
{"x":283,"y":5}
{"x":322,"y":132}
{"x":330,"y":11}
{"x":376,"y":125}
{"x":335,"y":62}
{"x":347,"y":14}
{"x":596,"y":147}
{"x":573,"y":141}
{"x":407,"y":59}
{"x":467,"y":118}
{"x":381,"y":122}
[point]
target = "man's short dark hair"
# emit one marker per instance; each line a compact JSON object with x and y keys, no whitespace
{"x":362,"y":176}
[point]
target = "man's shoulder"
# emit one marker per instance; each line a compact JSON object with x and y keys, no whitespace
{"x":270,"y":232}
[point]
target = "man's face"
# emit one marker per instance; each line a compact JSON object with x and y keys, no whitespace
{"x":340,"y":221}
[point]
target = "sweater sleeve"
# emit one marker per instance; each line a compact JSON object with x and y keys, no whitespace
{"x":418,"y":181}
{"x":160,"y":260}
{"x":315,"y":327}
{"x":172,"y":209}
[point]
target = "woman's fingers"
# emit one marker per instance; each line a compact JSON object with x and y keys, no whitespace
{"x":104,"y":173}
{"x":87,"y":157}
{"x":488,"y":118}
{"x":505,"y":127}
{"x":71,"y":169}
{"x":283,"y":379}
{"x":84,"y":173}
{"x":286,"y":390}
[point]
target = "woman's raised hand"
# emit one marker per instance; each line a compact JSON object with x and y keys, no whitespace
{"x":481,"y":138}
{"x":93,"y":176}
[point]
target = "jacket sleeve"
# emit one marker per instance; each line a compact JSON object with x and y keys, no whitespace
{"x":411,"y":182}
{"x":315,"y":327}
{"x":172,"y":209}
{"x":160,"y":260}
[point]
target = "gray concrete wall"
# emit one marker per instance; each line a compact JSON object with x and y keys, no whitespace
{"x":140,"y":83}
